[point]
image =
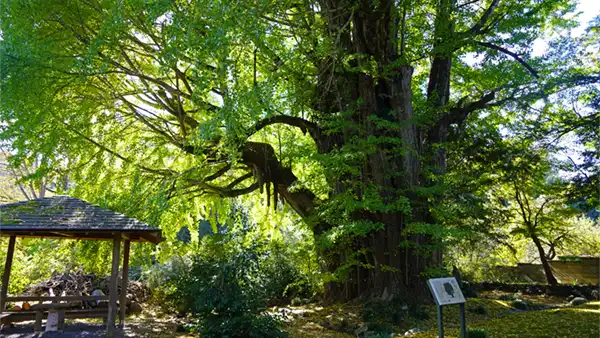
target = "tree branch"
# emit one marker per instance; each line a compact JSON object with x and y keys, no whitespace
{"x":218,"y":173}
{"x":512,"y":54}
{"x":261,"y":157}
{"x":535,"y":220}
{"x":459,"y":114}
{"x":239,"y":180}
{"x":293,"y":121}
{"x":162,"y":172}
{"x":485,"y":17}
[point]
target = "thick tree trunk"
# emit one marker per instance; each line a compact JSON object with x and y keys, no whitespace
{"x":384,"y":264}
{"x":547,"y":269}
{"x":387,"y":261}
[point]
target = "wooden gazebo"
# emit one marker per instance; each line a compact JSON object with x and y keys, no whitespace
{"x":66,"y":217}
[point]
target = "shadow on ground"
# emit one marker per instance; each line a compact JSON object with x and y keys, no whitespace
{"x":25,"y":330}
{"x":143,"y":328}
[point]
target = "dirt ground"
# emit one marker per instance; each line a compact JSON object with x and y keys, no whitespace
{"x":147,"y":325}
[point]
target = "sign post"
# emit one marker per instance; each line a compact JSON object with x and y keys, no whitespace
{"x":447,"y":292}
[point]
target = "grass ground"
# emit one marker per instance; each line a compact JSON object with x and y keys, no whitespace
{"x":578,"y":321}
{"x":500,"y":320}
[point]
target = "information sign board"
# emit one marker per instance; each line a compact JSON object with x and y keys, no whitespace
{"x":446,"y":291}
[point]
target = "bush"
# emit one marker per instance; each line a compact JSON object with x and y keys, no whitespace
{"x":479,"y":309}
{"x":283,"y":279}
{"x":519,"y":305}
{"x":227,"y":280}
{"x":477,"y":333}
{"x":227,"y":284}
{"x":227,"y":295}
{"x":165,"y":280}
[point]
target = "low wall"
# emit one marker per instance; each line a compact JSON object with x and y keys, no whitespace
{"x":584,"y":271}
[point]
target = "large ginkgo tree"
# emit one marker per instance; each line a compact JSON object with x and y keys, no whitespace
{"x":341,"y":110}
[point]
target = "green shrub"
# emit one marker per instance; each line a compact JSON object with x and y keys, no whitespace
{"x":227,"y":280}
{"x":165,"y":280}
{"x":227,"y":295}
{"x":477,"y":333}
{"x":283,"y":279}
{"x":479,"y":309}
{"x":519,"y":305}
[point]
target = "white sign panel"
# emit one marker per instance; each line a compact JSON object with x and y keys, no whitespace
{"x":446,"y":291}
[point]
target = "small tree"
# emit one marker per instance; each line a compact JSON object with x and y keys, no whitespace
{"x":543,"y":219}
{"x":533,"y":200}
{"x":506,"y":189}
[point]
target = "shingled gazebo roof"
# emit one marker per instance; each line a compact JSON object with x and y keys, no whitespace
{"x":70,"y":218}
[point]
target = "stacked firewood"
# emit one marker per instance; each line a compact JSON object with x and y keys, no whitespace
{"x":82,"y":284}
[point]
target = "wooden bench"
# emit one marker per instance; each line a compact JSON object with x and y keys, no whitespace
{"x":40,"y":311}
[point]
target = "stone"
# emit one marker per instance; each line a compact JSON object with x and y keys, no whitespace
{"x":570,"y":298}
{"x":578,"y":301}
{"x":595,"y":294}
{"x":412,"y":332}
{"x":577,"y":293}
{"x":386,"y":296}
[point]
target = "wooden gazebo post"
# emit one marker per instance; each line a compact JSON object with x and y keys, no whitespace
{"x":124,"y":284}
{"x":7,"y":268}
{"x":112,"y":302}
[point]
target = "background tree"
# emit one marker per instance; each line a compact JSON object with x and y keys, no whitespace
{"x":342,"y":109}
{"x":507,"y":189}
{"x":22,"y":182}
{"x":543,"y":220}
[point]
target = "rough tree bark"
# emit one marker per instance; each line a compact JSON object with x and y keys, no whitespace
{"x":392,"y":261}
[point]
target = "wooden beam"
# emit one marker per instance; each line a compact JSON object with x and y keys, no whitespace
{"x":124,"y":284}
{"x":54,"y":298}
{"x":63,"y":234}
{"x":136,"y":236}
{"x":153,"y":238}
{"x":7,"y":267}
{"x":112,"y":293}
